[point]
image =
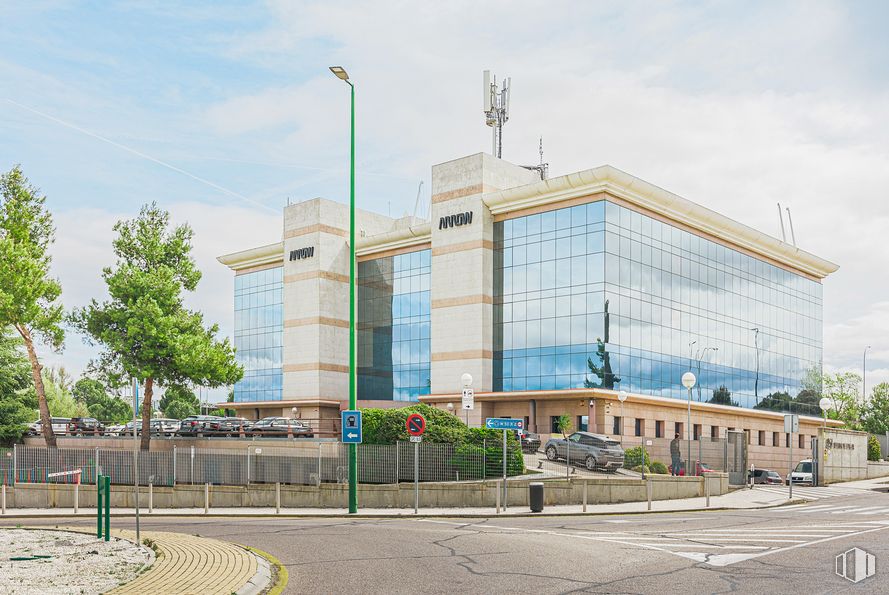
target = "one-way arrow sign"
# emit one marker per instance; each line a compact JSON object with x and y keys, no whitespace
{"x":351,"y":427}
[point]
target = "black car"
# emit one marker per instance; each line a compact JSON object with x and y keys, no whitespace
{"x":229,"y":426}
{"x":78,"y":426}
{"x":530,"y":442}
{"x":194,"y":425}
{"x":281,"y":427}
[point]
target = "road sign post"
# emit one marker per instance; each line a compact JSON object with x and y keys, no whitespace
{"x":416,"y":426}
{"x":103,"y":507}
{"x":791,"y":425}
{"x":351,"y":427}
{"x":506,"y":424}
{"x":468,"y":402}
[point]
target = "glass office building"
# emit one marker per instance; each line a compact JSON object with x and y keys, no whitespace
{"x":259,"y":325}
{"x":602,"y":296}
{"x":393,"y":327}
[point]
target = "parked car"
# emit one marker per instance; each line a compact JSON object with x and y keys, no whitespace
{"x":530,"y":441}
{"x":594,"y":451}
{"x":275,"y":427}
{"x":700,"y":467}
{"x":194,"y":425}
{"x":59,"y":426}
{"x":128,"y":429}
{"x":164,"y":427}
{"x":229,"y":426}
{"x":85,"y":425}
{"x":115,"y":430}
{"x":766,"y":476}
{"x":802,"y":473}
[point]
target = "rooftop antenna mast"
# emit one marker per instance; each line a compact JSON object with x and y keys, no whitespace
{"x":496,"y":109}
{"x":781,"y":218}
{"x":417,"y":202}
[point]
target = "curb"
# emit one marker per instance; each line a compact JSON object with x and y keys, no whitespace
{"x":281,"y":575}
{"x":342,"y":515}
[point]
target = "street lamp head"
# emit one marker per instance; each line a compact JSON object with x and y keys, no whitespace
{"x":824,"y":403}
{"x":622,"y":396}
{"x":340,"y":72}
{"x":450,"y":406}
{"x":688,"y":380}
{"x":466,"y":379}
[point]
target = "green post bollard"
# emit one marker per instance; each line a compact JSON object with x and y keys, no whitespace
{"x":99,"y":483}
{"x":107,"y":508}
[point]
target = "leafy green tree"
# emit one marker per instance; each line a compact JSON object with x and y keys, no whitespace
{"x":88,"y":391}
{"x":563,"y":424}
{"x":179,"y":402}
{"x":842,"y":390}
{"x":59,"y":399}
{"x":602,"y":370}
{"x":723,"y":396}
{"x":111,"y":409}
{"x":145,"y":329}
{"x":28,"y":295}
{"x":873,"y":449}
{"x":17,"y":397}
{"x":875,"y":418}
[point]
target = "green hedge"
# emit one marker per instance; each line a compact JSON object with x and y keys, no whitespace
{"x":633,"y":457}
{"x":873,"y":449}
{"x":659,"y":468}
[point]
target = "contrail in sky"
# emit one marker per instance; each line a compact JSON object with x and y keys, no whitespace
{"x":144,"y":156}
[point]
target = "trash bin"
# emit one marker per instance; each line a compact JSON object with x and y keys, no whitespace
{"x":535,"y":496}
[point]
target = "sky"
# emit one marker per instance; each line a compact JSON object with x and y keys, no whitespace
{"x":222,"y":112}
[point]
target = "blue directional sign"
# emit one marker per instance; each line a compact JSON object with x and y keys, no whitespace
{"x":351,"y":426}
{"x":503,"y":423}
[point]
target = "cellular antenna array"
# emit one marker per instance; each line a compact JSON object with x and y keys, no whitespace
{"x":496,"y":109}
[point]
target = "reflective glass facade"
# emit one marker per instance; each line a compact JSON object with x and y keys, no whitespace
{"x":259,"y":334}
{"x":393,"y":327}
{"x":600,"y":295}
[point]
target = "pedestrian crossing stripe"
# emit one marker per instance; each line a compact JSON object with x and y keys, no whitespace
{"x":812,"y":493}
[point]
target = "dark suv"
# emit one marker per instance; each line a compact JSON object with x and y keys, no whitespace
{"x":196,"y":425}
{"x":79,"y":426}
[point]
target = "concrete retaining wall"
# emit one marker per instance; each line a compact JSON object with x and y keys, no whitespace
{"x":432,"y":495}
{"x":880,"y":469}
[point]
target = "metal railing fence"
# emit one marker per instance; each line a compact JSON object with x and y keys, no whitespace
{"x":311,"y":463}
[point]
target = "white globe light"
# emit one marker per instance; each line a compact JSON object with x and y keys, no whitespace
{"x":688,"y":380}
{"x":824,"y":403}
{"x":622,"y":396}
{"x":466,"y":379}
{"x":450,"y":406}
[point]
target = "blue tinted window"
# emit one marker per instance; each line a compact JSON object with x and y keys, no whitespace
{"x":259,"y":334}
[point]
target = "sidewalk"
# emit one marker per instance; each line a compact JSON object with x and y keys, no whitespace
{"x":737,"y":500}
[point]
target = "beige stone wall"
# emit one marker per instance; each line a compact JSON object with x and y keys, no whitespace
{"x":843,"y":455}
{"x":462,"y":270}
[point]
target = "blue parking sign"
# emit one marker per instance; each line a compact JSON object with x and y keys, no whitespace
{"x":351,"y":427}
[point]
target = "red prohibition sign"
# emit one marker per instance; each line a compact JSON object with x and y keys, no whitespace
{"x":416,"y":424}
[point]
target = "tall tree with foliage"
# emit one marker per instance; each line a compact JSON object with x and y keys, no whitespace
{"x":875,"y":418}
{"x":17,"y":400}
{"x":28,"y":295}
{"x":146,"y":330}
{"x":101,"y":405}
{"x":842,"y":390}
{"x":179,"y":402}
{"x":723,"y":396}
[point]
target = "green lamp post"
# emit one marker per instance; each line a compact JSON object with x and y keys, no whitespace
{"x":341,"y":74}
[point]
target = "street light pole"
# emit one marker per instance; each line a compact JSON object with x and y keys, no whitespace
{"x":341,"y":74}
{"x":688,"y":381}
{"x":756,"y":346}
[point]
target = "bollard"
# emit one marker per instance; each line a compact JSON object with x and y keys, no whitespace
{"x":76,"y":496}
{"x":107,"y":482}
{"x":497,"y":500}
{"x":707,"y":489}
{"x":100,"y":482}
{"x":206,"y":498}
{"x":585,"y":485}
{"x":277,"y":498}
{"x":150,"y":497}
{"x":648,"y":491}
{"x":4,"y":499}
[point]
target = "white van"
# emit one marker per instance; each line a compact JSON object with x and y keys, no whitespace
{"x":802,"y":473}
{"x":59,"y":426}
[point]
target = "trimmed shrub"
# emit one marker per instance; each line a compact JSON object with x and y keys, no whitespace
{"x":873,"y":448}
{"x":659,"y":468}
{"x":640,"y":469}
{"x":633,"y":457}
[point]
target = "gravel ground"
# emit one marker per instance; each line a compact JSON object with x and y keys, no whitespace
{"x":79,"y":563}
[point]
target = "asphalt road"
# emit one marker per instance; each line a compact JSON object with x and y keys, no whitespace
{"x":782,"y":550}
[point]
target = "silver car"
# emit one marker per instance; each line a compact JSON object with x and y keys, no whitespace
{"x":591,"y":450}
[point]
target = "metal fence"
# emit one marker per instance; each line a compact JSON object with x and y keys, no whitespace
{"x":311,"y":463}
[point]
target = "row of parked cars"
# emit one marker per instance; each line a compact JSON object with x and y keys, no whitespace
{"x":194,"y":425}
